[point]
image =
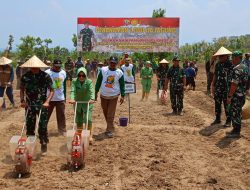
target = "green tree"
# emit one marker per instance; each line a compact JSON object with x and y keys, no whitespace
{"x":158,"y":13}
{"x":26,"y":47}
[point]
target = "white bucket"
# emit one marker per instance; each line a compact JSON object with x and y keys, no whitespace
{"x":13,"y":145}
{"x":85,"y":138}
{"x":31,"y":145}
{"x":70,"y":136}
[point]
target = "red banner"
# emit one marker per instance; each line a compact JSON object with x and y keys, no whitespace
{"x":128,"y":34}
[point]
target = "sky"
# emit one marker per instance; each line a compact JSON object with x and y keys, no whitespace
{"x":57,"y":19}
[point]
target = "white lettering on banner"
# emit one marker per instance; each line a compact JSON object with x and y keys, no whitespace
{"x":130,"y":88}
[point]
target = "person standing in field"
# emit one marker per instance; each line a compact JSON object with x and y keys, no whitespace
{"x":177,"y":78}
{"x":87,"y":36}
{"x":58,"y":77}
{"x":33,"y":95}
{"x":69,"y":68}
{"x":146,"y":80}
{"x":6,"y":80}
{"x":128,"y":71}
{"x":161,"y":74}
{"x":209,"y":66}
{"x":237,"y":93}
{"x":247,"y":63}
{"x":220,"y":85}
{"x":82,"y":90}
{"x":190,"y":76}
{"x":111,"y":82}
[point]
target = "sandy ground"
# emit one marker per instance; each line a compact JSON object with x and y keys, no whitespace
{"x":156,"y":151}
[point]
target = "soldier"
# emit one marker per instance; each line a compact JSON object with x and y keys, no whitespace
{"x":34,"y":85}
{"x":247,"y":63}
{"x":69,"y":68}
{"x":87,"y":35}
{"x":18,"y":74}
{"x":176,"y":76}
{"x":237,"y":93}
{"x":161,"y":74}
{"x":220,"y":84}
{"x":209,"y":66}
{"x":6,"y":80}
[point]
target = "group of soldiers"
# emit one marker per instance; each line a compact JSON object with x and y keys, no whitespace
{"x":41,"y":91}
{"x":229,"y":82}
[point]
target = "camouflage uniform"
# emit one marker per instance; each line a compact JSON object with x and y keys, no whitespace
{"x":69,"y":68}
{"x":222,"y":74}
{"x":87,"y":34}
{"x":239,"y":77}
{"x":162,"y":76}
{"x":176,"y":75}
{"x":35,"y":87}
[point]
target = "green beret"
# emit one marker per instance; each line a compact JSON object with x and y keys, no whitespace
{"x":237,"y":54}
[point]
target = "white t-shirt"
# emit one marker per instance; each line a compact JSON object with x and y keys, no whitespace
{"x":110,"y":82}
{"x":58,"y":79}
{"x":128,"y":74}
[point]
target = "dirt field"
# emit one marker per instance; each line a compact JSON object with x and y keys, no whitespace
{"x":156,"y":151}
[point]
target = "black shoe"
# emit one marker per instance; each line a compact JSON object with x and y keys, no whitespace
{"x":174,"y":112}
{"x":109,"y":134}
{"x":180,"y":112}
{"x":216,"y":121}
{"x":233,"y":134}
{"x":227,"y":124}
{"x":44,"y":148}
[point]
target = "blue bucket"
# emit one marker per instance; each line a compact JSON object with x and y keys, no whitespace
{"x":123,"y":121}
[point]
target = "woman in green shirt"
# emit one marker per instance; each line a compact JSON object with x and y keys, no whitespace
{"x":82,"y":90}
{"x":146,"y":75}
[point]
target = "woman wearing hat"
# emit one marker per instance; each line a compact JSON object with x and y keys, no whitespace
{"x":146,"y":75}
{"x":6,"y":79}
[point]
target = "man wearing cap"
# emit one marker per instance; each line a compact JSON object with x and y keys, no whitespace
{"x":146,"y":80}
{"x":247,"y":63}
{"x":111,"y":82}
{"x":161,"y":74}
{"x":6,"y":80}
{"x":87,"y":35}
{"x":58,"y":77}
{"x":79,"y":63}
{"x":33,"y":95}
{"x":220,"y":85}
{"x":69,"y":68}
{"x":176,"y":76}
{"x":128,"y":71}
{"x":237,"y":93}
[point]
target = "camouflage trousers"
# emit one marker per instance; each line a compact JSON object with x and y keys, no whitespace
{"x":33,"y":112}
{"x":237,"y":103}
{"x":219,"y":98}
{"x":176,"y":97}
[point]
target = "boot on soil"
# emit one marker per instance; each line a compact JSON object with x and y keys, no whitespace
{"x":180,"y":112}
{"x":44,"y":149}
{"x":227,"y":123}
{"x":174,"y":112}
{"x":216,"y":121}
{"x":233,"y":134}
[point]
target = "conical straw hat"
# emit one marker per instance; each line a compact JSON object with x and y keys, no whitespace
{"x":5,"y":61}
{"x":34,"y":62}
{"x":164,"y":61}
{"x":223,"y":51}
